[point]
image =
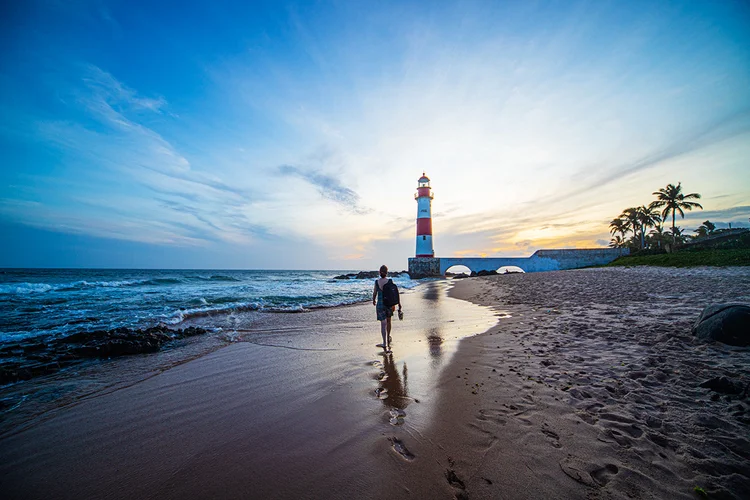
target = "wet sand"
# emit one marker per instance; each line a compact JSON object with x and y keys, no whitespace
{"x":293,"y":406}
{"x":589,"y":388}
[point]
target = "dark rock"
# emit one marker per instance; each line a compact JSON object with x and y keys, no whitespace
{"x":43,"y":369}
{"x":725,"y":323}
{"x":460,"y":276}
{"x":193,"y":331}
{"x":45,"y":358}
{"x":724,"y":385}
{"x":367,"y":275}
{"x":42,"y":358}
{"x":80,"y":337}
{"x":362,"y":275}
{"x":37,"y":346}
{"x":486,"y":273}
{"x":10,"y":350}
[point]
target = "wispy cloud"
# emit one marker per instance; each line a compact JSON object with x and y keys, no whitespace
{"x":329,"y":188}
{"x":130,"y":156}
{"x":113,"y":93}
{"x":707,"y":134}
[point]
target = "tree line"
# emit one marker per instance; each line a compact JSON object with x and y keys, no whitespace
{"x":669,"y":200}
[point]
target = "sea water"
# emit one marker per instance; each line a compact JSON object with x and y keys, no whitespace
{"x":49,"y":303}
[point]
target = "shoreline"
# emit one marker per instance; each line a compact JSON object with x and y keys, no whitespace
{"x":220,"y":332}
{"x":279,"y":412}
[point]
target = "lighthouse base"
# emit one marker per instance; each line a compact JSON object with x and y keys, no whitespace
{"x":424,"y":267}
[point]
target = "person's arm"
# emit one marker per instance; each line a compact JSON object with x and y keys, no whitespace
{"x":375,"y":294}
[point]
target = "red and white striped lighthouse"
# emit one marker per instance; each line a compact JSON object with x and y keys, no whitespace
{"x":424,"y":217}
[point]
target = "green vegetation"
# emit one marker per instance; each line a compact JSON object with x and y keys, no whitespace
{"x":672,"y":201}
{"x":689,"y":258}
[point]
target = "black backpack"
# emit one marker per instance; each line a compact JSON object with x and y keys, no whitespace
{"x":390,"y":294}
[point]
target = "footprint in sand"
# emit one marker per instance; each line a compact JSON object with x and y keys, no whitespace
{"x":381,"y":393}
{"x":554,"y":437}
{"x":397,"y":416}
{"x":612,"y":435}
{"x":400,"y":448}
{"x":457,"y":483}
{"x":588,"y":473}
{"x":604,"y":474}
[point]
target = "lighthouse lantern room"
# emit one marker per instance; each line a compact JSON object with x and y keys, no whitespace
{"x":424,"y":217}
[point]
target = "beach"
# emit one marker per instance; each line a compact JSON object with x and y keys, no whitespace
{"x":573,"y":384}
{"x":300,"y":405}
{"x":589,"y":388}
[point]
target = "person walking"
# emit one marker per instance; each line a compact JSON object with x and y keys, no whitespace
{"x":384,"y":313}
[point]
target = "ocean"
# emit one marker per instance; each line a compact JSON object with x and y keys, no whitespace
{"x":51,"y":303}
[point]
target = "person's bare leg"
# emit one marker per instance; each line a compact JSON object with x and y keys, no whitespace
{"x":388,"y":328}
{"x":384,"y":332}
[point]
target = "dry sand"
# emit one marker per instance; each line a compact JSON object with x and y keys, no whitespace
{"x":589,"y":388}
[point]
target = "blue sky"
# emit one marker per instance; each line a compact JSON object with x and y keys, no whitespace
{"x":291,"y":135}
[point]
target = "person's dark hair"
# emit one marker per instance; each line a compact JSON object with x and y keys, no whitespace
{"x":383,"y":271}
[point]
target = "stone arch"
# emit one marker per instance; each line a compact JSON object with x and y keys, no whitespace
{"x":510,"y":269}
{"x":458,"y":269}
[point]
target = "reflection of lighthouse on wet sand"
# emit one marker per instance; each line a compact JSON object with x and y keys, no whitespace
{"x":424,"y":217}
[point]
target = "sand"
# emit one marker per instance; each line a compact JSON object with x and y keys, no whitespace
{"x":587,"y":386}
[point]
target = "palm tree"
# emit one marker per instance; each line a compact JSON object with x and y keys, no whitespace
{"x":674,"y":202}
{"x":619,"y":225}
{"x":705,"y":229}
{"x":676,"y":235}
{"x":658,"y":235}
{"x":617,"y":242}
{"x":647,"y":217}
{"x":630,"y":215}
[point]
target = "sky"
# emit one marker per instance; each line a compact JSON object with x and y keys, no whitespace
{"x":290,"y":135}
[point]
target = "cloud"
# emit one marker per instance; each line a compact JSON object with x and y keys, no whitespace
{"x":114,"y":93}
{"x":115,"y":156}
{"x":329,"y":188}
{"x":738,"y":216}
{"x":595,"y":177}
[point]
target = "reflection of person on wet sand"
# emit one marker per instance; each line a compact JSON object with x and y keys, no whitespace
{"x":395,"y":388}
{"x":384,"y":313}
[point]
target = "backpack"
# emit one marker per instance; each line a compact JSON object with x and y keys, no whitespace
{"x":390,"y":294}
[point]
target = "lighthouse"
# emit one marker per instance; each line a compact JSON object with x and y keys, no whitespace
{"x":424,"y":217}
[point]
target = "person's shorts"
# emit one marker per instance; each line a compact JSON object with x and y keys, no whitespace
{"x":384,"y":312}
